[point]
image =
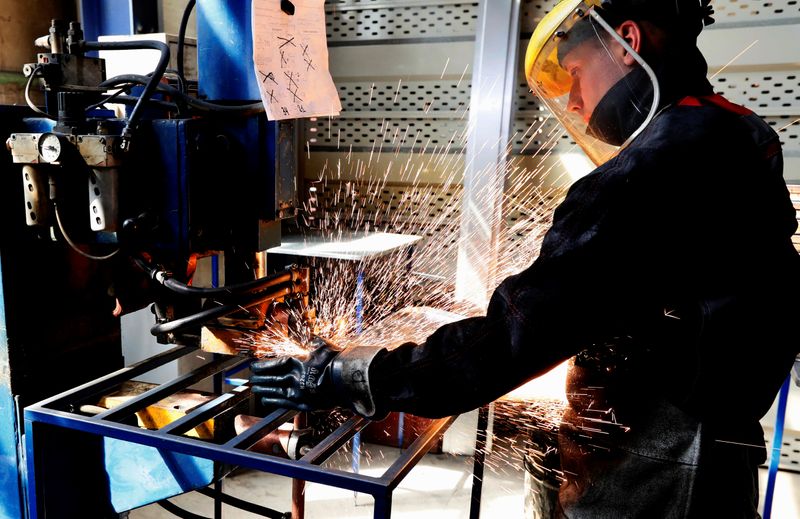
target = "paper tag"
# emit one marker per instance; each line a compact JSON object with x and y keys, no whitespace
{"x":290,"y":54}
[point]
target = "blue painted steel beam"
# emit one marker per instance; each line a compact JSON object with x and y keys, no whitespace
{"x":225,"y":51}
{"x":111,"y":380}
{"x":118,"y":17}
{"x":10,"y":488}
{"x":105,"y":17}
{"x":325,"y":449}
{"x":35,"y":415}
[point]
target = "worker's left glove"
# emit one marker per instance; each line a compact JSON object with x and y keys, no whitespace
{"x":327,"y":378}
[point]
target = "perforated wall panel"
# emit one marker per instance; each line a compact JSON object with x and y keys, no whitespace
{"x":532,"y":13}
{"x":406,"y":96}
{"x":749,"y":12}
{"x":356,"y":22}
{"x":429,"y":135}
{"x":772,"y":93}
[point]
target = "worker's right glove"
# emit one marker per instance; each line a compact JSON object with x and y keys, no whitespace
{"x":327,"y":378}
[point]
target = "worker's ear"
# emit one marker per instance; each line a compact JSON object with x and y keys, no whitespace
{"x":631,"y":32}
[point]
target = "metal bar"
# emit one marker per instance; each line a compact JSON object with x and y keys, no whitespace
{"x":207,"y":411}
{"x":479,"y":459}
{"x":253,"y":434}
{"x":298,"y":485}
{"x":31,"y":462}
{"x":196,"y":447}
{"x":415,"y":452}
{"x":241,"y":504}
{"x":217,"y":383}
{"x":217,"y":499}
{"x":159,"y":393}
{"x":325,"y":449}
{"x":118,"y":377}
{"x":383,"y":506}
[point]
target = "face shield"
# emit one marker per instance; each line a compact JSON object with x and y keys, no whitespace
{"x":591,"y":80}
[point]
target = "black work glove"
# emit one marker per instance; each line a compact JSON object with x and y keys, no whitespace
{"x":302,"y":384}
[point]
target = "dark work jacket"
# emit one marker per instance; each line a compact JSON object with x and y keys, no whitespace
{"x":669,"y":271}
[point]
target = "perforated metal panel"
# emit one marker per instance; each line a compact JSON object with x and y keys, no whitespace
{"x":406,"y":96}
{"x":744,"y":11}
{"x":532,"y":13}
{"x":774,"y":95}
{"x":354,"y":21}
{"x":769,"y":93}
{"x":429,"y":135}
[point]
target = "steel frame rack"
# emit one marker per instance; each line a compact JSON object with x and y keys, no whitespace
{"x":59,"y":411}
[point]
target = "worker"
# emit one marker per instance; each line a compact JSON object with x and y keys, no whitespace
{"x":668,"y":276}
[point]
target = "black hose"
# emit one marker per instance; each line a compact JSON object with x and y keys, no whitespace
{"x":178,"y":511}
{"x":248,"y":109}
{"x":247,"y":506}
{"x":227,"y":291}
{"x":187,"y":12}
{"x":194,"y":320}
{"x":150,"y":84}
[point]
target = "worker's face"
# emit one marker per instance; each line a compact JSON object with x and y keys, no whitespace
{"x":595,"y":67}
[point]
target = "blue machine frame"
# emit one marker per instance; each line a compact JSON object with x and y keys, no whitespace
{"x":45,"y":421}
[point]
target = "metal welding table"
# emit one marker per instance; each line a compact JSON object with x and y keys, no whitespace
{"x":46,"y":422}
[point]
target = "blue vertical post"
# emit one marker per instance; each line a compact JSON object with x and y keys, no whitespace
{"x":10,"y":462}
{"x":118,"y":17}
{"x":777,"y":443}
{"x":359,"y":329}
{"x":225,"y":51}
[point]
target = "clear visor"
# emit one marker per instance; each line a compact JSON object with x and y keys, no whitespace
{"x":592,"y":81}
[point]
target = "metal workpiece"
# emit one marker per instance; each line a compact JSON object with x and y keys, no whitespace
{"x":59,"y":417}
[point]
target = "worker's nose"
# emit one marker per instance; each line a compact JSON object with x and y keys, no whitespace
{"x":575,"y":102}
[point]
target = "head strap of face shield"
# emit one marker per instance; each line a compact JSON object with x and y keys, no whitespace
{"x":686,"y":17}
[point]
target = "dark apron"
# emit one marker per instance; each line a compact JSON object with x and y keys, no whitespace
{"x":624,"y":451}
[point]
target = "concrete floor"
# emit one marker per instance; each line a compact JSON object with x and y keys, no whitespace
{"x":439,"y":487}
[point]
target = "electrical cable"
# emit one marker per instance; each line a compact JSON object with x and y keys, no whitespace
{"x":227,"y":291}
{"x":151,"y":83}
{"x":28,"y":95}
{"x":178,"y":511}
{"x":106,"y":100}
{"x":128,"y":100}
{"x":241,"y":504}
{"x":204,"y":316}
{"x":73,"y":245}
{"x":187,"y":12}
{"x":242,"y":110}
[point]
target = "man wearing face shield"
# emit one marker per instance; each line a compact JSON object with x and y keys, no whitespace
{"x":668,"y":274}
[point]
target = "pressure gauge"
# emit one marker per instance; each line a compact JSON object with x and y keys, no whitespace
{"x":50,"y":147}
